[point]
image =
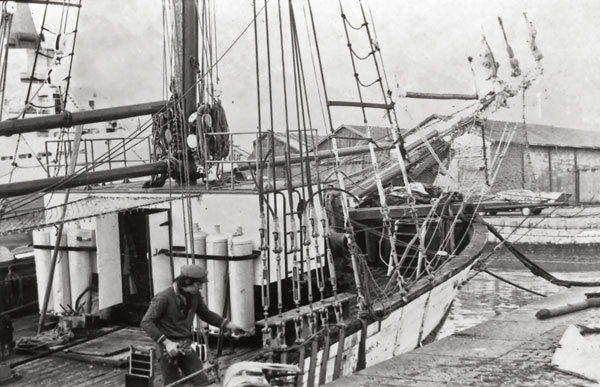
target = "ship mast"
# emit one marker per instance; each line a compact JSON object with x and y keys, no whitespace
{"x":184,"y":94}
{"x":184,"y":82}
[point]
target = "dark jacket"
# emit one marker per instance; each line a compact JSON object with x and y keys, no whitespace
{"x":170,"y":316}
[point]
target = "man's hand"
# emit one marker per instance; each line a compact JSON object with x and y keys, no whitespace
{"x":171,"y":347}
{"x":238,"y":330}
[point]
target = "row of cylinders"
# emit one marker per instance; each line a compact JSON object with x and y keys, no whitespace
{"x":237,"y":276}
{"x":73,"y":271}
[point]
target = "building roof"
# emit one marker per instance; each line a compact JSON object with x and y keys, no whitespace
{"x":22,"y":31}
{"x":544,"y":135}
{"x":293,"y":135}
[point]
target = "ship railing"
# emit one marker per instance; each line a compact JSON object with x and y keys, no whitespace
{"x":235,"y":155}
{"x":96,"y":154}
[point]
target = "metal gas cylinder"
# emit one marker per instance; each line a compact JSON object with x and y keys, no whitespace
{"x":216,"y":244}
{"x":200,"y":248}
{"x":81,"y":267}
{"x":241,"y":281}
{"x":43,"y":257}
{"x":199,"y":240}
{"x":61,"y":284}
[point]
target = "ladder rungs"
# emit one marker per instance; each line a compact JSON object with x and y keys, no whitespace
{"x":142,"y":359}
{"x":139,"y":371}
{"x":140,"y":363}
{"x":361,"y":104}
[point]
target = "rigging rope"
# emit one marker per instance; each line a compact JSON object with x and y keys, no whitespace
{"x":513,"y":284}
{"x":349,"y":235}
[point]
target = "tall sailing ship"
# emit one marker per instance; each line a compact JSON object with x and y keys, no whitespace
{"x":338,"y":249}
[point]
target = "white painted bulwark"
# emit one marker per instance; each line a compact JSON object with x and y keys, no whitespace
{"x":110,"y":287}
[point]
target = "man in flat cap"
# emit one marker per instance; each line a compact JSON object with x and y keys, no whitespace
{"x":168,"y":321}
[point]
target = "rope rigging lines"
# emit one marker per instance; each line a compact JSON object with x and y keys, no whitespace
{"x":294,"y":230}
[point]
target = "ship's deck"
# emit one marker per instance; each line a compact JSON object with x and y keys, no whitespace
{"x":100,"y":361}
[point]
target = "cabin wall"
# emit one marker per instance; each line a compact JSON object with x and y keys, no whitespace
{"x":229,"y":210}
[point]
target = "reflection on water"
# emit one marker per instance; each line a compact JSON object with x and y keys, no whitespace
{"x":485,"y":296}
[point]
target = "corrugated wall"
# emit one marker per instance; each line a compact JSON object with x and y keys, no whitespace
{"x":562,"y":170}
{"x":570,"y":170}
{"x":588,"y":170}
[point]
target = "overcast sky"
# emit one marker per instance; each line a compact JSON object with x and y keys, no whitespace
{"x":425,"y":45}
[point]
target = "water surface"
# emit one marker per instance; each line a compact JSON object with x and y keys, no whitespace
{"x":485,"y":297}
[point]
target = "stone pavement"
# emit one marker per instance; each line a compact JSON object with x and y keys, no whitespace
{"x":513,"y":349}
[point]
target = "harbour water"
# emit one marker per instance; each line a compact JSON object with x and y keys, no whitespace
{"x":484,"y":296}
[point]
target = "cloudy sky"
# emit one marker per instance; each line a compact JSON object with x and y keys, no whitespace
{"x":425,"y":45}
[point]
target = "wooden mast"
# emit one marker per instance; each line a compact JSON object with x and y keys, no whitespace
{"x":184,"y":82}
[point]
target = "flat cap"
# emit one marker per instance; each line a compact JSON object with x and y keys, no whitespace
{"x":194,"y":271}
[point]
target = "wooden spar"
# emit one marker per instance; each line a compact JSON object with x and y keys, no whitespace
{"x":361,"y":104}
{"x":58,"y":183}
{"x":389,"y":173}
{"x":418,"y":95}
{"x":65,"y":119}
{"x":324,"y":154}
{"x":327,"y":154}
